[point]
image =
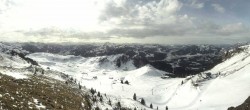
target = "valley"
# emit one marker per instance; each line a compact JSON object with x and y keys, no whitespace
{"x":207,"y":90}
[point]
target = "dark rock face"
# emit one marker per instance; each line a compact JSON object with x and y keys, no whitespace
{"x":244,"y":106}
{"x":181,"y":60}
{"x":121,"y":60}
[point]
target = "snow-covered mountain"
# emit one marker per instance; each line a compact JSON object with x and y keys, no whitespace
{"x":27,"y":86}
{"x":182,"y":60}
{"x":9,"y":57}
{"x":226,"y":84}
{"x":208,"y":90}
{"x":107,"y":78}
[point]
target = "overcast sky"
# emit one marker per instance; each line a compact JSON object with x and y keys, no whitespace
{"x":126,"y":21}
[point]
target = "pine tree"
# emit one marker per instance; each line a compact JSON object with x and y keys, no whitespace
{"x":80,"y":87}
{"x":35,"y":71}
{"x":97,"y":108}
{"x":101,"y":99}
{"x":110,"y":102}
{"x":142,"y":101}
{"x":166,"y":107}
{"x":98,"y":94}
{"x":119,"y":104}
{"x":92,"y":91}
{"x":151,"y":106}
{"x":157,"y":108}
{"x":182,"y":82}
{"x":122,"y":81}
{"x":134,"y":97}
{"x":126,"y":82}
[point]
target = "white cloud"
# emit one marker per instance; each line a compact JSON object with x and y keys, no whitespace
{"x":5,"y":5}
{"x":133,"y":13}
{"x":218,"y":8}
{"x":30,"y":14}
{"x":196,"y":4}
{"x":110,"y":20}
{"x":236,"y":28}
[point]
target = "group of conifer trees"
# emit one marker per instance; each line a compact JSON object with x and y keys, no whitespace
{"x":142,"y":101}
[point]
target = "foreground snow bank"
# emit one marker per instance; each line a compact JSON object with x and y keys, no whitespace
{"x":16,"y":75}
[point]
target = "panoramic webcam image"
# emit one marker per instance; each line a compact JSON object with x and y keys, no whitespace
{"x":124,"y":54}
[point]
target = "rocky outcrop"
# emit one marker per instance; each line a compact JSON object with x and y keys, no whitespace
{"x":22,"y":55}
{"x":244,"y":106}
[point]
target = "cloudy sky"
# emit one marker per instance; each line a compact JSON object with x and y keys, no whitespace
{"x":126,"y":21}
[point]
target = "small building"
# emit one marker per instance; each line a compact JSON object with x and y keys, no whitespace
{"x":94,"y":77}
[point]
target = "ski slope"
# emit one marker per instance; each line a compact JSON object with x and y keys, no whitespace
{"x":228,"y":85}
{"x":146,"y":81}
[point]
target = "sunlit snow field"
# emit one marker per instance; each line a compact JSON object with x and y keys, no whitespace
{"x":229,"y":87}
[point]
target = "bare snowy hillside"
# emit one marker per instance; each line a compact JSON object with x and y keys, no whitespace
{"x":129,"y":87}
{"x":29,"y":87}
{"x":208,"y":90}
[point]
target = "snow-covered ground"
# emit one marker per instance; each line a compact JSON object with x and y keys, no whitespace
{"x":229,"y":84}
{"x":146,"y":81}
{"x":12,"y":61}
{"x":7,"y":62}
{"x":16,"y":75}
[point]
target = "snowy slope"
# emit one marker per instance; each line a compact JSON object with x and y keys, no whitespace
{"x":15,"y":74}
{"x":227,"y":84}
{"x":12,"y":61}
{"x":144,"y":81}
{"x":6,"y":59}
{"x":233,"y":83}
